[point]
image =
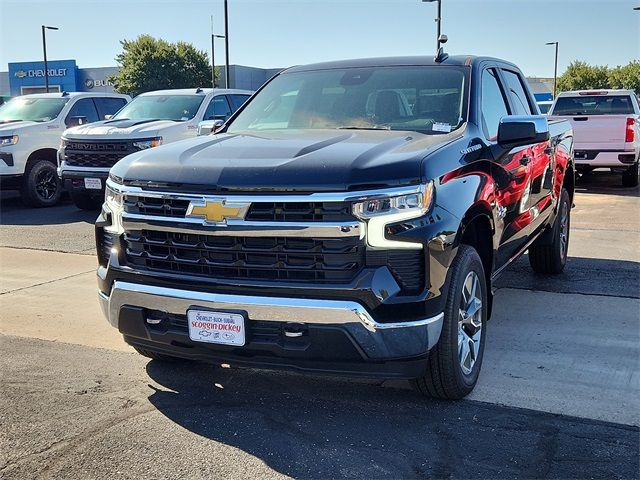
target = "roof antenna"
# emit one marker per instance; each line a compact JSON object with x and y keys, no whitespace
{"x":198,"y":90}
{"x":441,"y":56}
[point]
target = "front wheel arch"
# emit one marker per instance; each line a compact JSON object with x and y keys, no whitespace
{"x":477,"y":231}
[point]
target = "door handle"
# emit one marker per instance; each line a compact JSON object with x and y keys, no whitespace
{"x":525,"y":160}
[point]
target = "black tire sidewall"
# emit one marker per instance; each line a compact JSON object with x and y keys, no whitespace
{"x":29,"y":193}
{"x":468,"y":260}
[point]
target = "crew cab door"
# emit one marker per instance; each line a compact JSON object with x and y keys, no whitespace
{"x":539,"y":155}
{"x":518,"y":172}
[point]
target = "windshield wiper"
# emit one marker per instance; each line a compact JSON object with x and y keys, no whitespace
{"x":10,"y":121}
{"x":370,"y":127}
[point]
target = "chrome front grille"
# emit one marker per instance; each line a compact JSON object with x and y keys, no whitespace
{"x":258,"y":211}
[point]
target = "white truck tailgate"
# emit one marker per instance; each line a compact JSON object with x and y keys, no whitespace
{"x":595,"y":132}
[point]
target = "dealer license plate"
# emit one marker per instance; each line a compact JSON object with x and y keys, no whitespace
{"x":93,"y":183}
{"x":216,"y":327}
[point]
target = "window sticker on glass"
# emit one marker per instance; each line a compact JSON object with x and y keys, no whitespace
{"x":441,"y":127}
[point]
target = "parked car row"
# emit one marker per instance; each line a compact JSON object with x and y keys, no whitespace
{"x":55,"y":140}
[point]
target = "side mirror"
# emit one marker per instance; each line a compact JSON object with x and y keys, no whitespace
{"x":516,"y":131}
{"x":75,"y":121}
{"x":208,"y":127}
{"x":108,"y":117}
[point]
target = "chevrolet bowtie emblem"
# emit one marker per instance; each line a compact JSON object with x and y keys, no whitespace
{"x":217,"y":211}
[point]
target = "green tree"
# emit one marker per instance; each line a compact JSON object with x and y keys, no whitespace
{"x":582,"y":76}
{"x":627,"y":76}
{"x":147,"y":63}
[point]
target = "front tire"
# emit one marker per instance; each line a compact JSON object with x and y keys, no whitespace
{"x":85,"y":201}
{"x":454,"y":363}
{"x":41,"y":186}
{"x":551,"y":258}
{"x":630,"y":176}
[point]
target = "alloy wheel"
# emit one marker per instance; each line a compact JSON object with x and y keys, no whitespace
{"x":564,"y":229}
{"x":470,"y":323}
{"x":46,"y":184}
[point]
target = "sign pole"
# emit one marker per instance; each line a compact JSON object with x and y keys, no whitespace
{"x":46,"y":67}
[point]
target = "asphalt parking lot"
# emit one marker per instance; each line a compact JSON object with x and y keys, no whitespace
{"x":558,"y":397}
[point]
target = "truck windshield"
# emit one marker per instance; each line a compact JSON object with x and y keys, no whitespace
{"x":430,"y":99}
{"x":594,"y":105}
{"x":161,"y":107}
{"x":31,"y":109}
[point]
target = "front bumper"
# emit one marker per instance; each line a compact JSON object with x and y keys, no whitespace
{"x":129,"y":305}
{"x":73,"y":180}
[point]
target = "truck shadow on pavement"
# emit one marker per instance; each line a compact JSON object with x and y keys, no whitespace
{"x":588,"y":276}
{"x":606,"y":183}
{"x":14,"y":212}
{"x":323,"y":427}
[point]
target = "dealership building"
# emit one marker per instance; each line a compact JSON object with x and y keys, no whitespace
{"x":66,"y":76}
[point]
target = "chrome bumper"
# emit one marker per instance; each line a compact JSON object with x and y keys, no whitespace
{"x":377,"y":340}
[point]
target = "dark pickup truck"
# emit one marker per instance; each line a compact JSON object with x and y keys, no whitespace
{"x":350,"y":218}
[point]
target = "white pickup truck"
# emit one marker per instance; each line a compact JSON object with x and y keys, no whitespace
{"x":87,"y":152}
{"x":606,"y":128}
{"x":30,"y":129}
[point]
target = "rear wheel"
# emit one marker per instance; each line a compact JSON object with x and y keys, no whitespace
{"x":85,"y":201}
{"x":630,"y":176}
{"x":161,"y":357}
{"x":454,"y":363}
{"x":41,"y":186}
{"x":551,"y":257}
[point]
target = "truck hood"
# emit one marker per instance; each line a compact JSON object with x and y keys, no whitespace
{"x":13,"y":128}
{"x":302,"y":161}
{"x":128,"y":128}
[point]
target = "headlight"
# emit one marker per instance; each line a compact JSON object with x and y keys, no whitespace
{"x":411,"y":205}
{"x":6,"y":141}
{"x":381,"y":211}
{"x":113,"y":198}
{"x":147,"y":143}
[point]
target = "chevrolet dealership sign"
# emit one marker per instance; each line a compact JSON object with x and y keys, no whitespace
{"x":29,"y":77}
{"x":53,"y":72}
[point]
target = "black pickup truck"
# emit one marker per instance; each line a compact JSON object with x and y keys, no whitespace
{"x":350,"y":218}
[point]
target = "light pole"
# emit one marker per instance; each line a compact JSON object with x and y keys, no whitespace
{"x":226,"y":45}
{"x":213,"y":54}
{"x":44,"y":51}
{"x":555,"y":70}
{"x":438,"y":22}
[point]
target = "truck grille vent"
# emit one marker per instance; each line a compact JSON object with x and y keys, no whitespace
{"x":96,"y":154}
{"x":257,"y":331}
{"x":407,"y":266}
{"x":157,"y":207}
{"x":300,"y":212}
{"x":270,"y":258}
{"x":259,"y":211}
{"x":105,"y":242}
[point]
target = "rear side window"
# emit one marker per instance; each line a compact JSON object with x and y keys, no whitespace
{"x":493,"y":105}
{"x":218,"y":108}
{"x":517,"y":93}
{"x":109,"y":105}
{"x":84,"y":108}
{"x":594,"y":105}
{"x":237,"y":100}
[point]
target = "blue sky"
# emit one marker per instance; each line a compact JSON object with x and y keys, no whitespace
{"x":280,"y":33}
